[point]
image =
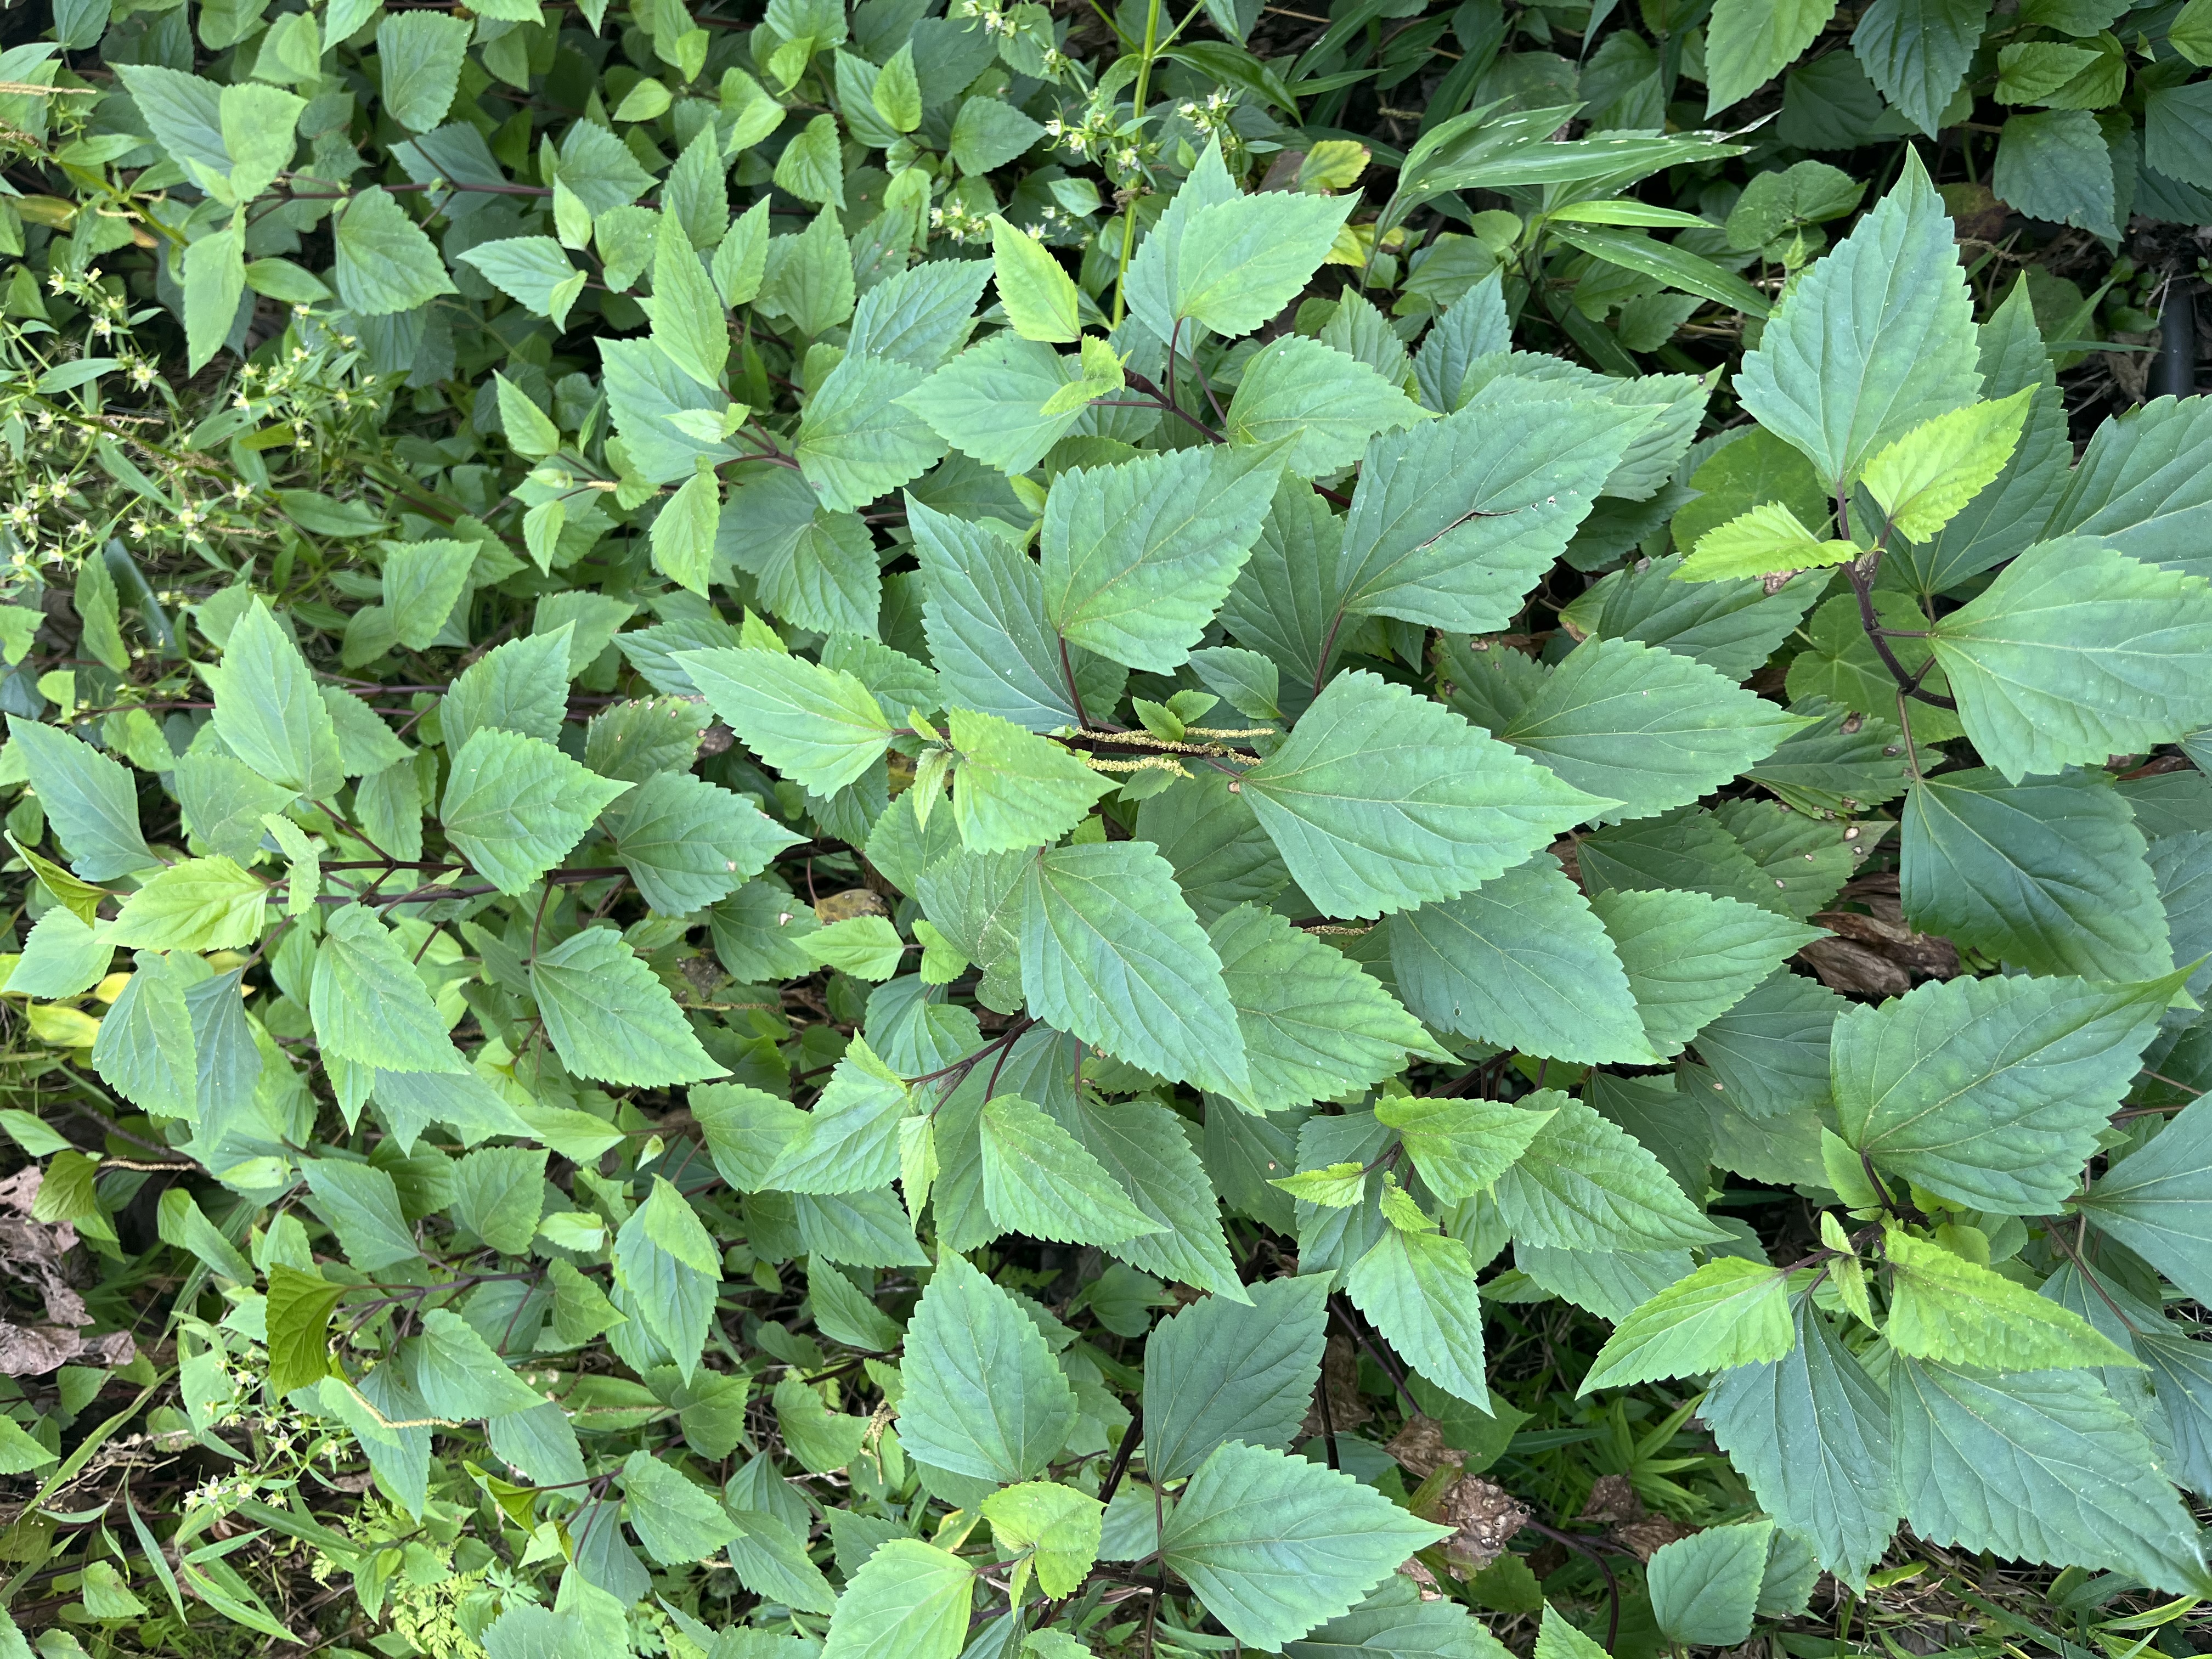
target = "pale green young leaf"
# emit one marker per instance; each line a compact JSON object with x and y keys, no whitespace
{"x":1035,"y":290}
{"x":609,"y":1017}
{"x":1460,"y":1146}
{"x":1379,"y":801}
{"x":515,"y":805}
{"x":197,"y":904}
{"x":1012,"y":788}
{"x":867,"y":947}
{"x":420,"y":53}
{"x":1237,"y":263}
{"x":688,"y":323}
{"x":1274,"y":1545}
{"x":213,"y":284}
{"x":1944,"y":1307}
{"x":1040,"y":1180}
{"x":820,"y":726}
{"x":1924,"y":478}
{"x":984,"y":1397}
{"x":1061,"y":1525}
{"x":1767,"y":541}
{"x":1729,"y":1312}
{"x":683,"y":533}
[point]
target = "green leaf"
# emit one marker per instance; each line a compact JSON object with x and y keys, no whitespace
{"x":1918,"y":51}
{"x":922,"y":316}
{"x":987,"y":134}
{"x":1379,"y":801}
{"x":1585,"y":1184}
{"x":1274,"y":1545}
{"x":298,"y":1312}
{"x":385,"y":264}
{"x":844,"y":1313}
{"x":197,"y":904}
{"x":1040,"y":1180}
{"x":849,"y":1142}
{"x":2158,"y":1201}
{"x":1221,"y":1371}
{"x":990,"y":401}
{"x":145,"y":1049}
{"x":1142,"y":1145}
{"x":610,"y":1019}
{"x":2077,"y":652}
{"x":993,"y":649}
{"x":1944,"y":1307}
{"x":672,"y":1296}
{"x":1062,"y":1527}
{"x":2142,"y":485}
{"x":1012,"y":789}
{"x":520,"y":686}
{"x":1729,"y":1312}
{"x":1643,"y":728}
{"x":62,"y":957}
{"x":459,"y":1376}
{"x":498,"y":1192}
{"x":424,"y":580}
{"x":819,"y":725}
{"x":266,"y":709}
{"x":684,"y":534}
{"x":420,"y":55}
{"x":532,"y":270}
{"x":1460,"y":1146}
{"x":984,"y":1397}
{"x":1234,"y":263}
{"x":688,"y":843}
{"x":1037,"y":292}
{"x":369,"y":1004}
{"x":908,"y":1601}
{"x":2057,"y":164}
{"x":1454,"y":520}
{"x":1138,"y":557}
{"x":361,"y":1204}
{"x":1690,"y":956}
{"x":1418,"y":1288}
{"x":515,"y":805}
{"x":2044,"y":1466}
{"x":1666,"y":262}
{"x":1705,"y":1588}
{"x":1991,"y":1092}
{"x":1748,"y":42}
{"x":1875,"y":339}
{"x":1927,"y":477}
{"x":215,"y":282}
{"x":856,"y":440}
{"x":1111,"y":952}
{"x":1315,"y":1025}
{"x":1770,"y":1052}
{"x":88,"y":797}
{"x":1327,"y":404}
{"x":2050,"y":873}
{"x":1810,"y":1433}
{"x":867,"y":947}
{"x":676,"y":1521}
